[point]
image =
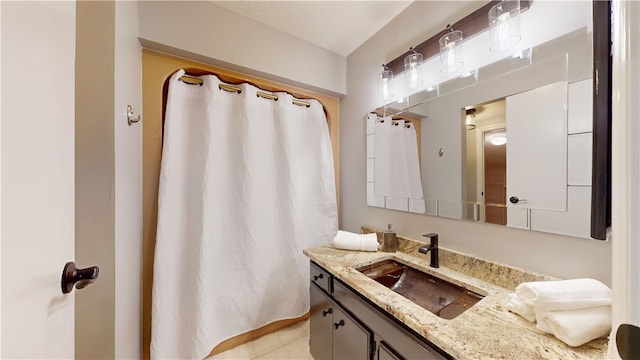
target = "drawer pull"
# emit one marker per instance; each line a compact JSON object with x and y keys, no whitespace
{"x":327,"y":312}
{"x":338,"y":324}
{"x":316,"y":277}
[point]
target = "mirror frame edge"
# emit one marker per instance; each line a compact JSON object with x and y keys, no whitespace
{"x":602,"y":92}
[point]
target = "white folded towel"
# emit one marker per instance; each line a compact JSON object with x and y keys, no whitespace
{"x":577,"y":327}
{"x":515,"y":305}
{"x":545,"y":296}
{"x":541,"y":322}
{"x":352,"y":241}
{"x":575,"y":311}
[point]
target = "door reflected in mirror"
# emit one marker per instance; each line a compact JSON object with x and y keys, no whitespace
{"x":486,"y":161}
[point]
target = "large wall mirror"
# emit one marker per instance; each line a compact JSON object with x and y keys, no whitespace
{"x":508,"y":144}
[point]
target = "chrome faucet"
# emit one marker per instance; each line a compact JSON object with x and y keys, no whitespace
{"x":433,"y":247}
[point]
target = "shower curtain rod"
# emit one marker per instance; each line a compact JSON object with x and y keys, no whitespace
{"x":230,"y":88}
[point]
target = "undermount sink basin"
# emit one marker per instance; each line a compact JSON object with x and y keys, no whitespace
{"x":441,"y":297}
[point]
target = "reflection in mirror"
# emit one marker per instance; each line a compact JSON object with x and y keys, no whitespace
{"x":393,"y":160}
{"x":465,"y":176}
{"x":486,"y":161}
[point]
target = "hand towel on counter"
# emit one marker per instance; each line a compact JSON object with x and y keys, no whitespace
{"x":572,"y":294}
{"x":351,"y":241}
{"x":576,"y":327}
{"x":515,"y":305}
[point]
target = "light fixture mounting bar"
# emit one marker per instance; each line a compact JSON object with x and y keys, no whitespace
{"x":470,"y":25}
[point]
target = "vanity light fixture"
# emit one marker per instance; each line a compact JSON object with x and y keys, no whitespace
{"x":450,"y":54}
{"x":412,"y":76}
{"x":504,"y":25}
{"x":384,"y":78}
{"x":470,"y":119}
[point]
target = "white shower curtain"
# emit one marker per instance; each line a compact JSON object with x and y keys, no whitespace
{"x":246,"y":184}
{"x":396,"y":164}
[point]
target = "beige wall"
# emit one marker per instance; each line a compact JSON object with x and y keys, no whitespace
{"x":128,"y":183}
{"x":95,"y":211}
{"x":108,"y":180}
{"x":551,"y":254}
{"x":202,"y":31}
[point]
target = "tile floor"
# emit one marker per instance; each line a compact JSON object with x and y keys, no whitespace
{"x":289,"y":343}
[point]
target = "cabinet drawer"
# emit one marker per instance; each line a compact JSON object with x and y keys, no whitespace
{"x":320,"y":277}
{"x":408,"y":345}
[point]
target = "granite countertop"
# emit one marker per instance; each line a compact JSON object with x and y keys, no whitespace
{"x":485,"y":331}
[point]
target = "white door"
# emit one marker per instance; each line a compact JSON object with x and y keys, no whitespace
{"x":37,"y":183}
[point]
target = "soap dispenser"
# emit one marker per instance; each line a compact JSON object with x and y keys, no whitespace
{"x":389,"y":240}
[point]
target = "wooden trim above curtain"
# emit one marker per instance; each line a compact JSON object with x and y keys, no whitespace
{"x":156,"y":69}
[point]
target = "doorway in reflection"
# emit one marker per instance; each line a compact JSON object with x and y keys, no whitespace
{"x":486,"y":161}
{"x":495,"y":176}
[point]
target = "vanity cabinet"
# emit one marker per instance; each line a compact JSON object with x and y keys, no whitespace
{"x":334,"y":333}
{"x":344,"y":325}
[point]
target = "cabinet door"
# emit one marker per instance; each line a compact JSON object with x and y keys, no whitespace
{"x":350,"y":339}
{"x":387,"y":353}
{"x":321,"y":324}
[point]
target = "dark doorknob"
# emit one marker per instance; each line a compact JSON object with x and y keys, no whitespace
{"x":627,"y":337}
{"x":79,"y":277}
{"x":515,"y":200}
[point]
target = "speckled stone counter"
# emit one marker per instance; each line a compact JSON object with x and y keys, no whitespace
{"x":485,"y":331}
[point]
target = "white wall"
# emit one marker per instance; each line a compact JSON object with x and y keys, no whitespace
{"x":625,"y":166}
{"x":38,"y":42}
{"x":555,"y":255}
{"x":128,"y":184}
{"x":202,"y":31}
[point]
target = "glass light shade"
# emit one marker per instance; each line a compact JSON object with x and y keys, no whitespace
{"x":412,"y":76}
{"x":470,"y":119}
{"x":450,"y":54}
{"x":384,"y":79}
{"x":504,"y":25}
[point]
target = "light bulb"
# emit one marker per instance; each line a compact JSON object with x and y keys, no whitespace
{"x":451,"y":57}
{"x":383,"y":82}
{"x":450,"y":52}
{"x":499,"y":140}
{"x":412,"y":75}
{"x":503,"y":27}
{"x":385,"y":89}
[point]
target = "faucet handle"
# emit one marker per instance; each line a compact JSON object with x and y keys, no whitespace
{"x":433,"y":237}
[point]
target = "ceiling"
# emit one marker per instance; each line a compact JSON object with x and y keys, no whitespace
{"x":338,"y":26}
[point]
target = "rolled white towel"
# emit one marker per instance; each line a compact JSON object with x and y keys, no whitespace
{"x":515,"y":305}
{"x":577,"y":327}
{"x":545,"y":296}
{"x":352,"y":241}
